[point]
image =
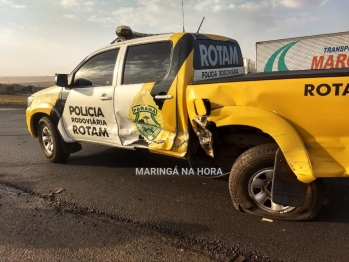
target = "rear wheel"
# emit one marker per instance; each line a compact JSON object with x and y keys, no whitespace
{"x":250,"y":184}
{"x":50,"y":142}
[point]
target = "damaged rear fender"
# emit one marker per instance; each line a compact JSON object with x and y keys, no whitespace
{"x":285,"y":135}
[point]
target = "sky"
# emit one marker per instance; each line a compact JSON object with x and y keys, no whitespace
{"x":44,"y":37}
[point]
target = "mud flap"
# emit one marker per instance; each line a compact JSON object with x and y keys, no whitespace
{"x":287,"y":190}
{"x":70,"y":148}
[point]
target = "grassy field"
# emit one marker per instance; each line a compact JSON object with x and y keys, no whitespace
{"x":13,"y":99}
{"x":37,"y":81}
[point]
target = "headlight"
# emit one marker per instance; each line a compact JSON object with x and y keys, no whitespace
{"x":30,"y":100}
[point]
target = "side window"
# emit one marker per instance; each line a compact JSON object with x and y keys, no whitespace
{"x":147,"y":62}
{"x":98,"y":71}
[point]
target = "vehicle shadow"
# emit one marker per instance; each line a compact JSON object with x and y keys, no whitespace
{"x":121,"y":158}
{"x":115,"y":157}
{"x":336,"y":204}
{"x":335,"y":209}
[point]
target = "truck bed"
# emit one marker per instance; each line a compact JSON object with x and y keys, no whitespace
{"x":279,"y":75}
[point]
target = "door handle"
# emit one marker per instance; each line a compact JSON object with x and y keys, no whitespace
{"x":163,"y":97}
{"x":105,"y":98}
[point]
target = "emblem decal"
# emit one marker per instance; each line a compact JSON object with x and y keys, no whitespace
{"x":146,"y":116}
{"x":281,"y":64}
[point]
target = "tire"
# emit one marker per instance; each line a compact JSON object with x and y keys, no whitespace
{"x":251,"y":175}
{"x":50,"y":141}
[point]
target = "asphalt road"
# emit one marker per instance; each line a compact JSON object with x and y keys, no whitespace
{"x":187,"y":213}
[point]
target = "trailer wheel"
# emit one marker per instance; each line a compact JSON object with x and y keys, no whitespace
{"x":250,"y":184}
{"x":50,"y":142}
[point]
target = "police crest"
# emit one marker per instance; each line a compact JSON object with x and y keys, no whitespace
{"x":146,"y":116}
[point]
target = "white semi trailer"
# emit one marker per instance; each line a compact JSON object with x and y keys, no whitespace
{"x":309,"y":52}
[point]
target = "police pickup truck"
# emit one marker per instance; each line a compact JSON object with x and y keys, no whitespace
{"x":185,"y":95}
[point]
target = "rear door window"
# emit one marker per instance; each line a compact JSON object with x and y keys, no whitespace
{"x":147,"y":62}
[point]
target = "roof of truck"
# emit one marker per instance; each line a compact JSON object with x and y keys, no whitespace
{"x":174,"y":37}
{"x":304,"y":37}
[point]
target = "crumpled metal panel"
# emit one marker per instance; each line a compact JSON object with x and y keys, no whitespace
{"x":205,"y":136}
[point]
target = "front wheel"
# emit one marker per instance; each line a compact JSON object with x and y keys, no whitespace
{"x":250,"y":184}
{"x":50,"y":142}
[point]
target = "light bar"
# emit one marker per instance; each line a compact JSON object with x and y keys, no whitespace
{"x":124,"y":32}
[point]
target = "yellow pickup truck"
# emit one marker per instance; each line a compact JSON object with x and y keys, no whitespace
{"x":185,"y":95}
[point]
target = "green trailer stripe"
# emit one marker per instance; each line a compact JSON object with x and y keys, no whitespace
{"x":269,"y":65}
{"x":281,"y":64}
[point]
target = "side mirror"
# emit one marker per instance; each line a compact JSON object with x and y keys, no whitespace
{"x":61,"y":80}
{"x":202,"y":107}
{"x":82,"y":82}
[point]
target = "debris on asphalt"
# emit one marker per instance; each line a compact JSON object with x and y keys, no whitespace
{"x":51,"y":193}
{"x":267,"y":220}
